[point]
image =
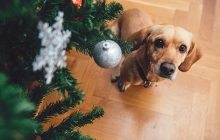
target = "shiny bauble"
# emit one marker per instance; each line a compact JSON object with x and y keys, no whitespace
{"x":107,"y":54}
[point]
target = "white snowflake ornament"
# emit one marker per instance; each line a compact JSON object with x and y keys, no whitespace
{"x":52,"y":55}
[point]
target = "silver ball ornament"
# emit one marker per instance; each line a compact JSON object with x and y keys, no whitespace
{"x":107,"y":54}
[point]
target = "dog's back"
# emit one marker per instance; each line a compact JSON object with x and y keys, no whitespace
{"x":128,"y":24}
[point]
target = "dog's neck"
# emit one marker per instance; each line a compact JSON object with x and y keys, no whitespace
{"x":144,"y":63}
{"x":143,"y":75}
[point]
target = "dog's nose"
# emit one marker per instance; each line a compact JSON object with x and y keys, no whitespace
{"x":167,"y":68}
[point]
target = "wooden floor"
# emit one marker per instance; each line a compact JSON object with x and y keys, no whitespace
{"x":185,"y":109}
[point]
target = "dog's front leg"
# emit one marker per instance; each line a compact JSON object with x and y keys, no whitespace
{"x":116,"y":71}
{"x":115,"y":74}
{"x":123,"y":86}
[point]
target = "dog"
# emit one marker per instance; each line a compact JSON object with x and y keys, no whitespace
{"x":158,"y":50}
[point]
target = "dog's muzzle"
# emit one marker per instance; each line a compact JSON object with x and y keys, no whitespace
{"x":167,"y":69}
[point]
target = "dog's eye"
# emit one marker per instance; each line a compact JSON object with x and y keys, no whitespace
{"x":159,"y":43}
{"x":182,"y":48}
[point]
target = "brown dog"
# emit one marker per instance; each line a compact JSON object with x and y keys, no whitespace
{"x":158,"y":50}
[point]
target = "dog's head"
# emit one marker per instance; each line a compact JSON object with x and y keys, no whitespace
{"x":168,"y":48}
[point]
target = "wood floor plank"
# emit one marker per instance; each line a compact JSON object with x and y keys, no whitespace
{"x":139,"y":97}
{"x":102,"y":135}
{"x":198,"y":116}
{"x":213,"y":114}
{"x":92,"y":73}
{"x":209,"y":47}
{"x":180,"y":5}
{"x":149,"y":8}
{"x":167,"y":90}
{"x":216,"y":27}
{"x":207,"y":20}
{"x":104,"y":86}
{"x":204,"y":72}
{"x":181,"y":120}
{"x":180,"y":18}
{"x":160,"y":19}
{"x":188,"y":83}
{"x":145,"y":133}
{"x":206,"y":59}
{"x":122,"y":117}
{"x":163,"y":128}
{"x":77,"y":67}
{"x":194,"y":18}
{"x":141,"y":117}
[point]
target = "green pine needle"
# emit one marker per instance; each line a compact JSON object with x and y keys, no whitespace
{"x":14,"y":125}
{"x":54,"y":109}
{"x":70,"y":125}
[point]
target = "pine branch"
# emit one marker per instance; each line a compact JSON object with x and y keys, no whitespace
{"x":11,"y":8}
{"x":77,"y":135}
{"x":69,"y":124}
{"x":107,"y":12}
{"x":88,"y":47}
{"x":13,"y":111}
{"x":16,"y":34}
{"x":73,"y":135}
{"x":54,"y":109}
{"x":48,"y":9}
{"x":91,"y":28}
{"x":64,"y":82}
{"x":39,"y":92}
{"x":125,"y":45}
{"x":96,"y":112}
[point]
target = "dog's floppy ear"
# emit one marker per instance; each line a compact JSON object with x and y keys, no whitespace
{"x":139,"y":37}
{"x":193,"y":55}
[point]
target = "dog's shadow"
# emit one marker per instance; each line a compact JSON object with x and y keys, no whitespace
{"x":142,"y":109}
{"x":137,"y":104}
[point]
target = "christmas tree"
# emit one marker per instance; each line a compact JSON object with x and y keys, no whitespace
{"x":24,"y":27}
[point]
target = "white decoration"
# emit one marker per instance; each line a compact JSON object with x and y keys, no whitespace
{"x":52,"y":55}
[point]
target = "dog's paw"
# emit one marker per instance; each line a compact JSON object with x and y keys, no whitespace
{"x":115,"y":75}
{"x":122,"y":86}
